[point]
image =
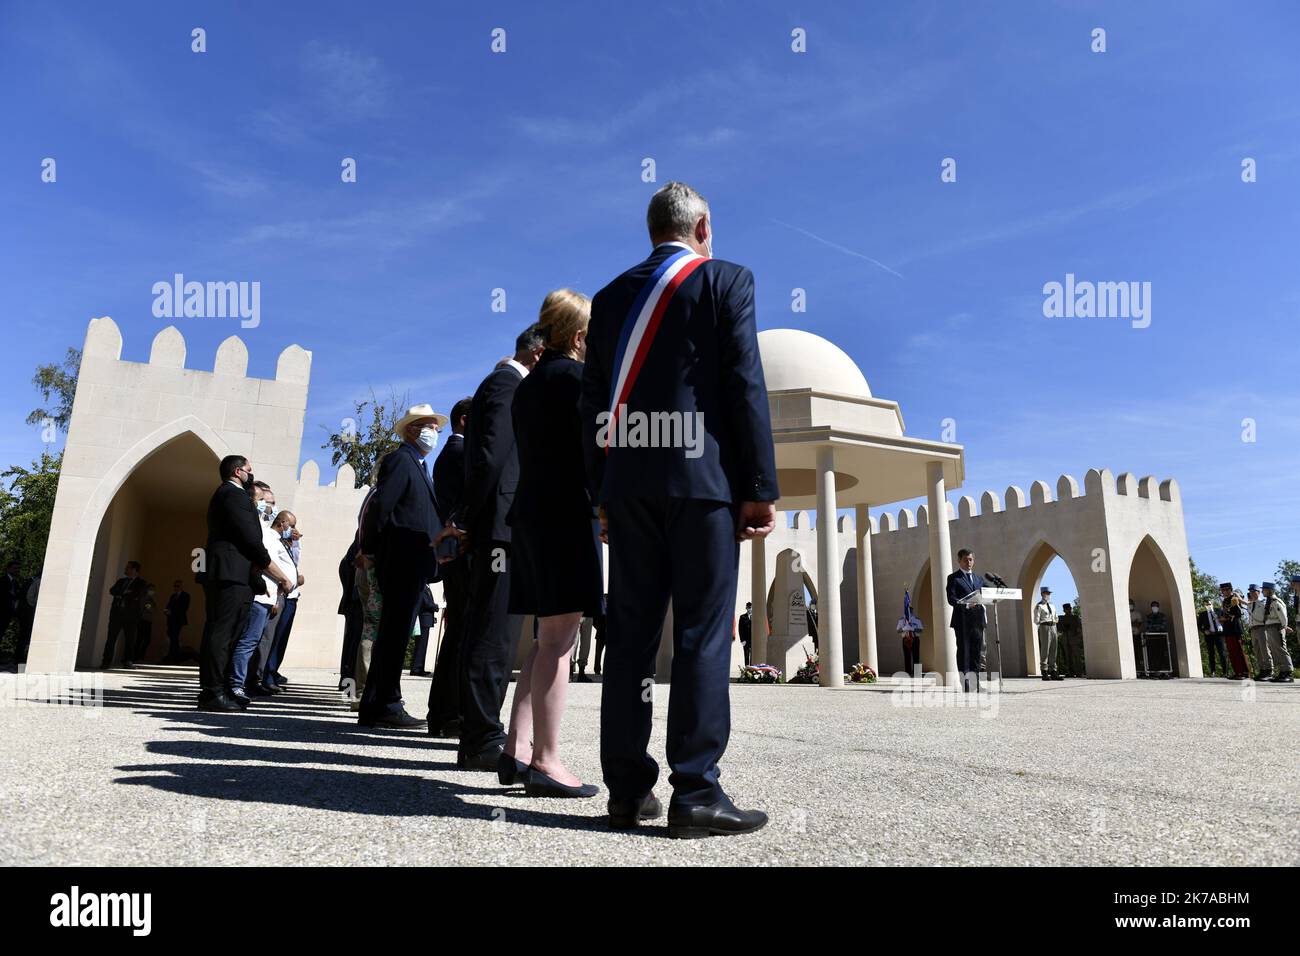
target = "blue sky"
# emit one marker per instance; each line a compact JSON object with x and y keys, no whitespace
{"x":522,"y":171}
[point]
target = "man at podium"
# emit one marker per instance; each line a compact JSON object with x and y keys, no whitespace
{"x":968,"y":622}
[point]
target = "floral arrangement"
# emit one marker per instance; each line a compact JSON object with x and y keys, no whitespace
{"x":810,"y":673}
{"x":759,"y":674}
{"x":860,"y":674}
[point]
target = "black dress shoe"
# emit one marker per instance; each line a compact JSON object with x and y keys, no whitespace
{"x":540,"y":785}
{"x":1056,"y":676}
{"x":625,"y":814}
{"x":488,"y":760}
{"x":1047,"y":677}
{"x":219,"y":703}
{"x":1283,"y":679}
{"x":259,"y":690}
{"x":401,"y":720}
{"x":720,"y":819}
{"x":511,"y":771}
{"x":280,"y":679}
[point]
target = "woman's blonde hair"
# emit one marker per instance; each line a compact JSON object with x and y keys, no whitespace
{"x":564,"y":314}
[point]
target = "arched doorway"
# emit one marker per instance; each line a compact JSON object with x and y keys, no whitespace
{"x":1150,"y":579}
{"x":922,"y":588}
{"x":157,"y":516}
{"x":1043,"y":565}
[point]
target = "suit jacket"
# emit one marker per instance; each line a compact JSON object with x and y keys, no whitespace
{"x":403,"y":499}
{"x":958,"y":587}
{"x":348,"y":577}
{"x":128,"y":595}
{"x":491,"y":460}
{"x":235,"y":552}
{"x":703,"y":360}
{"x":449,"y":475}
{"x":178,"y":608}
{"x":746,"y":627}
{"x":548,"y":441}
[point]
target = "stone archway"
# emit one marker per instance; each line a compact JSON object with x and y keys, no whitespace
{"x":1150,"y":578}
{"x":150,"y":498}
{"x":1025,"y":660}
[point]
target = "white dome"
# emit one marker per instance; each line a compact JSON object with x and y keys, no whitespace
{"x":793,"y":358}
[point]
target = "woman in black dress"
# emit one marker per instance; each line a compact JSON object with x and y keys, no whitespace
{"x":556,"y":569}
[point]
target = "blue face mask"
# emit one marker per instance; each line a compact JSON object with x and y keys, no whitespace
{"x":286,"y":534}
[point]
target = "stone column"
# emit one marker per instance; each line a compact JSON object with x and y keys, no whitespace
{"x":866,"y":591}
{"x":940,"y":566}
{"x":758,"y":597}
{"x":830,"y":633}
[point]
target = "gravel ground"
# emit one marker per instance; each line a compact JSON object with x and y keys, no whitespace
{"x":1078,"y":773}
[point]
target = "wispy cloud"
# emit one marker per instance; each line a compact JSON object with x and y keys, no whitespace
{"x":353,"y":84}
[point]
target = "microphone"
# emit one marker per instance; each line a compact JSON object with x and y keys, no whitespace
{"x":996,"y":581}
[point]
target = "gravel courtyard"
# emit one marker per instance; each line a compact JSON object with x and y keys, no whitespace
{"x":1080,"y":772}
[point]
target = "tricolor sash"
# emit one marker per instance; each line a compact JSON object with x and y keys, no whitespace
{"x":642,"y":323}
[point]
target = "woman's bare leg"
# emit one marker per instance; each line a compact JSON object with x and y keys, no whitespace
{"x":550,"y":686}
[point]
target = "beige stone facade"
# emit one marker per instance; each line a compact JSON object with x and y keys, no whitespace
{"x":145,"y":439}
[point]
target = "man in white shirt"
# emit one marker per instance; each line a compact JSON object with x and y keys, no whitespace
{"x":1045,"y":620}
{"x":277,"y":537}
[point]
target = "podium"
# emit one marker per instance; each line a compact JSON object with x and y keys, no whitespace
{"x":992,"y":597}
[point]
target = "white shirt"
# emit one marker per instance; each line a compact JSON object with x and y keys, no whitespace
{"x":284,"y":561}
{"x":1044,"y":613}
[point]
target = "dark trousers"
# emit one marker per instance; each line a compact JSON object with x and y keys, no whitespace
{"x":970,"y":649}
{"x":912,"y":656}
{"x":224,"y":617}
{"x":283,"y":627}
{"x":400,"y":568}
{"x":352,"y":621}
{"x":144,"y":634}
{"x":174,"y":638}
{"x":747,"y":646}
{"x":421,"y":643}
{"x":26,"y":618}
{"x":126,"y":624}
{"x":444,"y":689}
{"x":1214,"y":644}
{"x":488,"y":652}
{"x":686,"y":550}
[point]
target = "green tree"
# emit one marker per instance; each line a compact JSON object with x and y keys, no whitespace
{"x":57,"y":385}
{"x":361,"y":440}
{"x":1205,"y":587}
{"x":26,"y":506}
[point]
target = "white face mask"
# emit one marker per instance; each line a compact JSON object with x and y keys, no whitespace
{"x":428,"y":439}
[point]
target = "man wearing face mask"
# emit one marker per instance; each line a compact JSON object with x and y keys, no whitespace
{"x":249,"y":665}
{"x":397,"y":532}
{"x":233,"y":556}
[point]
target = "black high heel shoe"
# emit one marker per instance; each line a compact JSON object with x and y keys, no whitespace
{"x":510,"y":770}
{"x":539,"y":784}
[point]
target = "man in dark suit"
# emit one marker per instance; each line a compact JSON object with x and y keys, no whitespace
{"x":124,"y":615}
{"x":746,"y":628}
{"x":672,"y":343}
{"x":233,"y":559}
{"x":491,"y":474}
{"x":448,"y":489}
{"x":177,"y":612}
{"x":968,"y":622}
{"x":350,"y":608}
{"x":397,"y":531}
